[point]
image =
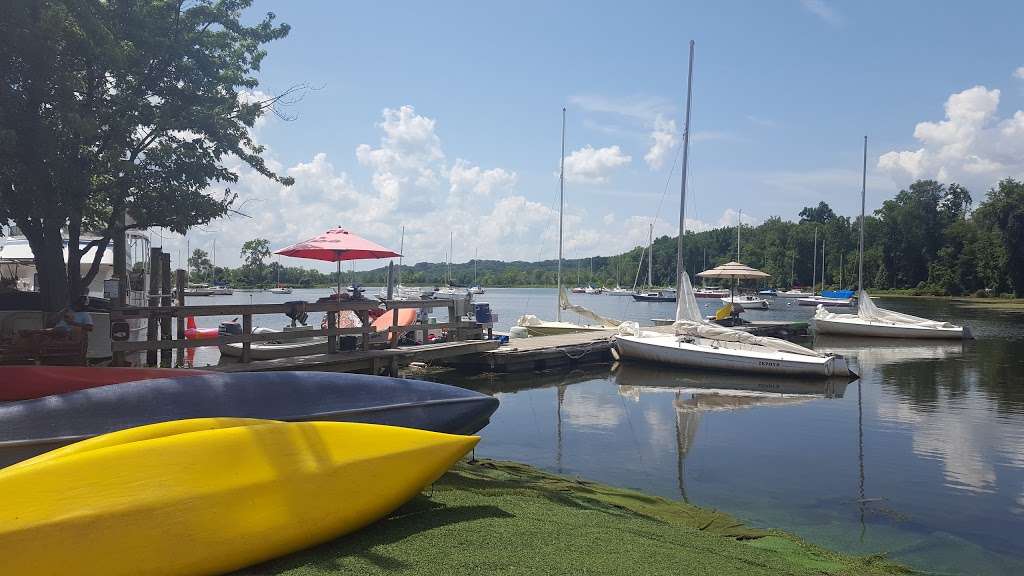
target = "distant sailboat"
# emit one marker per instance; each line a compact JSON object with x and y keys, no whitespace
{"x":871,"y":320}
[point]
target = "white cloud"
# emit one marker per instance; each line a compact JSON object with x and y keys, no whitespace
{"x":593,"y":165}
{"x":467,"y":181}
{"x":646,"y":109}
{"x":972,"y":146}
{"x":822,"y":10}
{"x":1019,"y":73}
{"x":663,"y":139}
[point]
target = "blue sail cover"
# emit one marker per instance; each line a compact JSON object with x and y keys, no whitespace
{"x":837,"y":293}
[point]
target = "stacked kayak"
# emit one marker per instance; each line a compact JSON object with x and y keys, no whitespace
{"x":25,"y":382}
{"x":31,"y":427}
{"x":209,"y":496}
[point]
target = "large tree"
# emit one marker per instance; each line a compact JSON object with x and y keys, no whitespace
{"x":119,"y":107}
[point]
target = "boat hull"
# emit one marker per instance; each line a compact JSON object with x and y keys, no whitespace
{"x":646,"y":298}
{"x":212,"y":501}
{"x":27,"y":382}
{"x":667,"y":350}
{"x":827,"y":302}
{"x":271,"y":351}
{"x":555,"y":328}
{"x":841,"y":327}
{"x":35,"y":426}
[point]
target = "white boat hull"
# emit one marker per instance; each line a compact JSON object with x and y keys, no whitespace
{"x":827,"y":302}
{"x":271,"y":351}
{"x":555,"y":328}
{"x":667,"y":350}
{"x":747,"y":304}
{"x":856,"y":326}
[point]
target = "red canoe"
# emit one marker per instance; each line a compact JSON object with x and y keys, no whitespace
{"x":25,"y":382}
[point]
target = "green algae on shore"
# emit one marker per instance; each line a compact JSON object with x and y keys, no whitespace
{"x":505,"y":518}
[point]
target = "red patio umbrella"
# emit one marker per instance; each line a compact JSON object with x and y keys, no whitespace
{"x":335,"y":245}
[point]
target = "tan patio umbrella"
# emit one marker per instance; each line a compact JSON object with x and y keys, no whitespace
{"x":735,"y":271}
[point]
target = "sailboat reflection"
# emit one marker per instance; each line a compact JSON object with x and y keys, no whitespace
{"x":699,"y":392}
{"x":877,"y":352}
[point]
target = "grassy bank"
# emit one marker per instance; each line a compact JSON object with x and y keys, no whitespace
{"x":504,"y":518}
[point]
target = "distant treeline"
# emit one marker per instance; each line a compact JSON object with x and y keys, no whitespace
{"x":928,"y":238}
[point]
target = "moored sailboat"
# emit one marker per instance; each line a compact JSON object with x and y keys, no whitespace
{"x":697,"y":343}
{"x":873,"y":321}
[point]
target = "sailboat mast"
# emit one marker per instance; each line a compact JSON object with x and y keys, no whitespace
{"x":823,"y":263}
{"x":680,"y":269}
{"x":401,"y":251}
{"x":650,"y":255}
{"x":214,"y":261}
{"x":863,"y":194}
{"x":476,"y":254}
{"x":739,"y":224}
{"x":451,"y":255}
{"x":814,"y":258}
{"x":561,"y":207}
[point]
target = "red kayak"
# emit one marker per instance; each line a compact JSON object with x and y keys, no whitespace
{"x":25,"y":382}
{"x":194,"y":333}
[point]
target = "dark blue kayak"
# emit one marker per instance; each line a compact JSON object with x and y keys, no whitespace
{"x":32,"y":427}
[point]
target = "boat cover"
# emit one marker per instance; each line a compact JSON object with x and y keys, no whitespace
{"x":868,"y":312}
{"x":563,"y":301}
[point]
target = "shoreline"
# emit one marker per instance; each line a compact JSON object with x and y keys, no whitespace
{"x":496,"y":517}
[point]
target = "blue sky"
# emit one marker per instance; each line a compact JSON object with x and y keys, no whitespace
{"x":446,"y":115}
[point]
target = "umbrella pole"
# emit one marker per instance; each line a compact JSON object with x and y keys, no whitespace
{"x":339,"y":280}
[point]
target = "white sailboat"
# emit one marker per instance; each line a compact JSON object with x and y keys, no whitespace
{"x":534,"y":326}
{"x":697,"y":343}
{"x":871,"y":320}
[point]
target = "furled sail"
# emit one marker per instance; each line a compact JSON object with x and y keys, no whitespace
{"x":563,"y":301}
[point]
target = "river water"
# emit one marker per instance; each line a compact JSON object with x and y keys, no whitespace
{"x":921,"y":459}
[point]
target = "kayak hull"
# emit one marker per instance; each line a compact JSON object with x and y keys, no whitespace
{"x":212,"y":501}
{"x":32,"y":427}
{"x":27,"y":382}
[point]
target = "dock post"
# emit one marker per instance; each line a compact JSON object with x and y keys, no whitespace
{"x":181,"y":279}
{"x":332,"y":339}
{"x":453,"y":331}
{"x":154,"y":290}
{"x":364,"y":319}
{"x":165,"y":301}
{"x":247,"y":333}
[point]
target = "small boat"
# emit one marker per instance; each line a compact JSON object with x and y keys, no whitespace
{"x":824,"y":301}
{"x":32,"y":427}
{"x":279,"y":289}
{"x":794,"y":293}
{"x":770,"y":293}
{"x":711,"y":292}
{"x":272,"y":349}
{"x":592,"y":290}
{"x":656,"y":296}
{"x":210,"y":496}
{"x":872,"y":321}
{"x":193,"y":332}
{"x":747,"y":302}
{"x":198,"y":290}
{"x":222,"y":290}
{"x":618,"y":291}
{"x":578,"y":290}
{"x":27,"y":382}
{"x":476,"y":290}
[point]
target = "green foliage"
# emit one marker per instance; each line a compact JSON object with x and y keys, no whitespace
{"x":123,"y":106}
{"x":199,"y":265}
{"x":253,"y":253}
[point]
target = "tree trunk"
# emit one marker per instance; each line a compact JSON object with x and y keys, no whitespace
{"x":48,"y":250}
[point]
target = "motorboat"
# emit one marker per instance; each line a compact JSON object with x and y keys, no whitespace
{"x":747,"y":301}
{"x":769,"y":293}
{"x":476,"y":290}
{"x":281,"y":290}
{"x":710,"y":292}
{"x":273,"y":349}
{"x":222,"y":290}
{"x":668,"y":295}
{"x":794,"y":293}
{"x":828,"y":302}
{"x":592,"y":290}
{"x":697,"y":343}
{"x":618,"y":291}
{"x":578,"y":290}
{"x":198,"y":290}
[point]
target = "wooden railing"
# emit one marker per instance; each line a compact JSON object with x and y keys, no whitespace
{"x":361,"y":308}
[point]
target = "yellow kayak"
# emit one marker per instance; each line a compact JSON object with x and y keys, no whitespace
{"x":210,"y":495}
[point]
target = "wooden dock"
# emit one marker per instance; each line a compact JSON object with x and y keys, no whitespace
{"x":387,"y":360}
{"x":541,"y":353}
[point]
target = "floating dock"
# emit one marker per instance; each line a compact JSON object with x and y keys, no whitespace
{"x":541,"y":353}
{"x":387,"y":360}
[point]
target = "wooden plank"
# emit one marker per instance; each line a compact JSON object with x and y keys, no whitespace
{"x":239,"y":309}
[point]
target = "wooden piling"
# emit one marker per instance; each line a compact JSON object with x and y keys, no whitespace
{"x":247,"y":332}
{"x":181,"y":280}
{"x":154,"y":290}
{"x":165,"y":300}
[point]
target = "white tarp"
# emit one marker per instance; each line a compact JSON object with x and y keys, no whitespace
{"x":867,"y":310}
{"x":711,"y":331}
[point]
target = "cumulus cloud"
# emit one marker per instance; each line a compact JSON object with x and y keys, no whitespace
{"x":663,"y":139}
{"x":593,"y":165}
{"x":1019,"y":73}
{"x":466,"y":180}
{"x":972,"y":145}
